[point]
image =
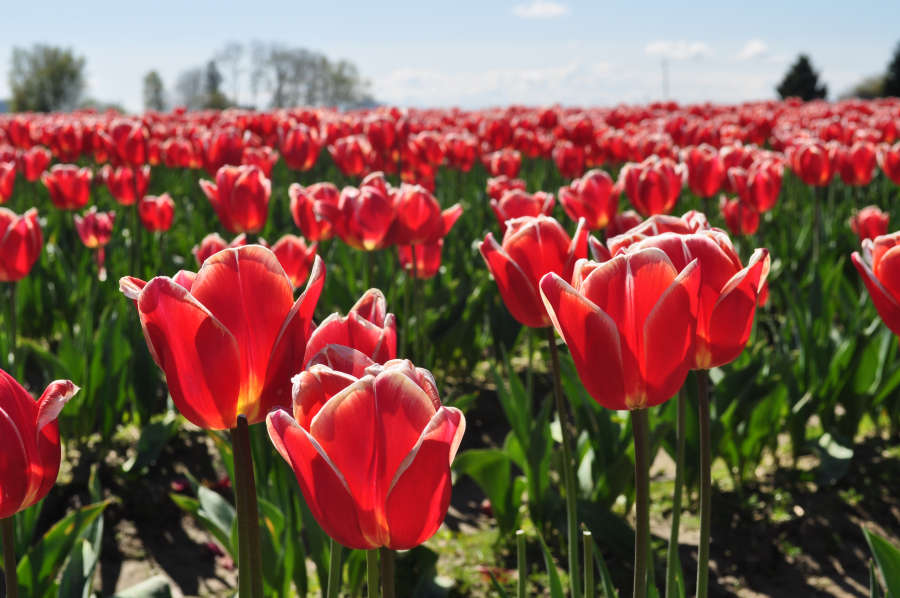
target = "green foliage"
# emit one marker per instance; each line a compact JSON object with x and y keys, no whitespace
{"x":801,"y":81}
{"x":887,"y":557}
{"x":892,"y":76}
{"x":154,"y":92}
{"x":45,"y":79}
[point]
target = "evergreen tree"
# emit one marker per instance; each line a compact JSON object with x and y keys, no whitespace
{"x":892,"y":77}
{"x":212,"y":88}
{"x":802,"y":81}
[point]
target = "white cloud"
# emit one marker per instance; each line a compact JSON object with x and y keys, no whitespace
{"x":755,"y":48}
{"x":678,"y":50}
{"x":540,"y":9}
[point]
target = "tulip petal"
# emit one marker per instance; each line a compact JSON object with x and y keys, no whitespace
{"x":668,"y":338}
{"x":14,"y":469}
{"x":403,"y":411}
{"x":323,"y":486}
{"x":888,"y":307}
{"x":313,"y":387}
{"x":249,"y":293}
{"x":413,"y":516}
{"x":199,"y":356}
{"x":290,"y":344}
{"x":515,"y":287}
{"x":593,"y":340}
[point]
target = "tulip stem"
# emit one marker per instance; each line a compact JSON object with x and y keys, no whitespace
{"x":335,"y":567}
{"x":9,"y":557}
{"x":640,"y":429}
{"x":249,"y":555}
{"x":705,"y":483}
{"x":407,"y":297}
{"x":387,"y":572}
{"x":567,"y":469}
{"x":520,"y":564}
{"x":817,"y":222}
{"x":672,"y":562}
{"x":372,"y":572}
{"x":590,"y":591}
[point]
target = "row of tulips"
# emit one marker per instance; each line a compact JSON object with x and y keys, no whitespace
{"x":660,"y":297}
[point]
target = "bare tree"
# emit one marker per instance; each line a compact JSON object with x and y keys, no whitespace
{"x":231,"y":58}
{"x":189,"y":88}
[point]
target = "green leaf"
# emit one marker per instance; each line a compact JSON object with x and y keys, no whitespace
{"x":556,"y":588}
{"x":155,"y":587}
{"x":77,"y":580}
{"x":874,"y":585}
{"x":491,"y":470}
{"x":887,"y":556}
{"x":39,"y":567}
{"x":154,"y":437}
{"x":835,"y":459}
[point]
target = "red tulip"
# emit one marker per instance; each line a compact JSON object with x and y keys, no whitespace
{"x":870,"y":222}
{"x":498,"y":185}
{"x":179,"y":153}
{"x":531,"y":248}
{"x":461,"y":150}
{"x":300,"y":147}
{"x":856,"y":164}
{"x":569,"y":159}
{"x":653,"y":186}
{"x":129,"y":140}
{"x":372,"y":454}
{"x":95,"y":228}
{"x":33,"y":162}
{"x":229,"y":344}
{"x":705,"y":169}
{"x":813,"y":162}
{"x":728,"y":292}
{"x":759,"y":185}
{"x":156,"y":212}
{"x":224,"y":147}
{"x":69,"y":186}
{"x":29,"y":442}
{"x":423,"y":261}
{"x":690,"y":222}
{"x":7,"y":178}
{"x":295,"y":257}
{"x":741,"y":219}
{"x":621,"y":222}
{"x":213,"y":243}
{"x":889,"y":161}
{"x":880,"y":270}
{"x":516,"y":203}
{"x":315,"y":209}
{"x":418,"y":217}
{"x":503,"y":162}
{"x":20,"y":243}
{"x":366,"y":215}
{"x":367,"y":327}
{"x":630,"y":325}
{"x":240,"y":197}
{"x":126,"y":184}
{"x":591,"y":198}
{"x":353,"y":154}
{"x":264,"y":157}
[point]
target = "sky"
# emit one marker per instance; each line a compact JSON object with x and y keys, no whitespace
{"x":480,"y":53}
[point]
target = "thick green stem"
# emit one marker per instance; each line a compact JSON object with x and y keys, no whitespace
{"x":334,"y":570}
{"x":7,"y":526}
{"x":372,"y":572}
{"x":387,"y":573}
{"x":705,"y":483}
{"x":672,"y":562}
{"x":817,"y":224}
{"x":405,"y":343}
{"x":521,"y":565}
{"x":590,"y":591}
{"x":419,"y":306}
{"x":568,"y":469}
{"x":640,"y":428}
{"x":250,"y":556}
{"x":369,"y":278}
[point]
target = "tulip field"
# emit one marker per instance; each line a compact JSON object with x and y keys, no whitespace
{"x":640,"y":351}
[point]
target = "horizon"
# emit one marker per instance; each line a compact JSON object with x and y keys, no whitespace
{"x":531,"y":52}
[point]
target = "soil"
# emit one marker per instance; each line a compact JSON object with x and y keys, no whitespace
{"x":782,"y":535}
